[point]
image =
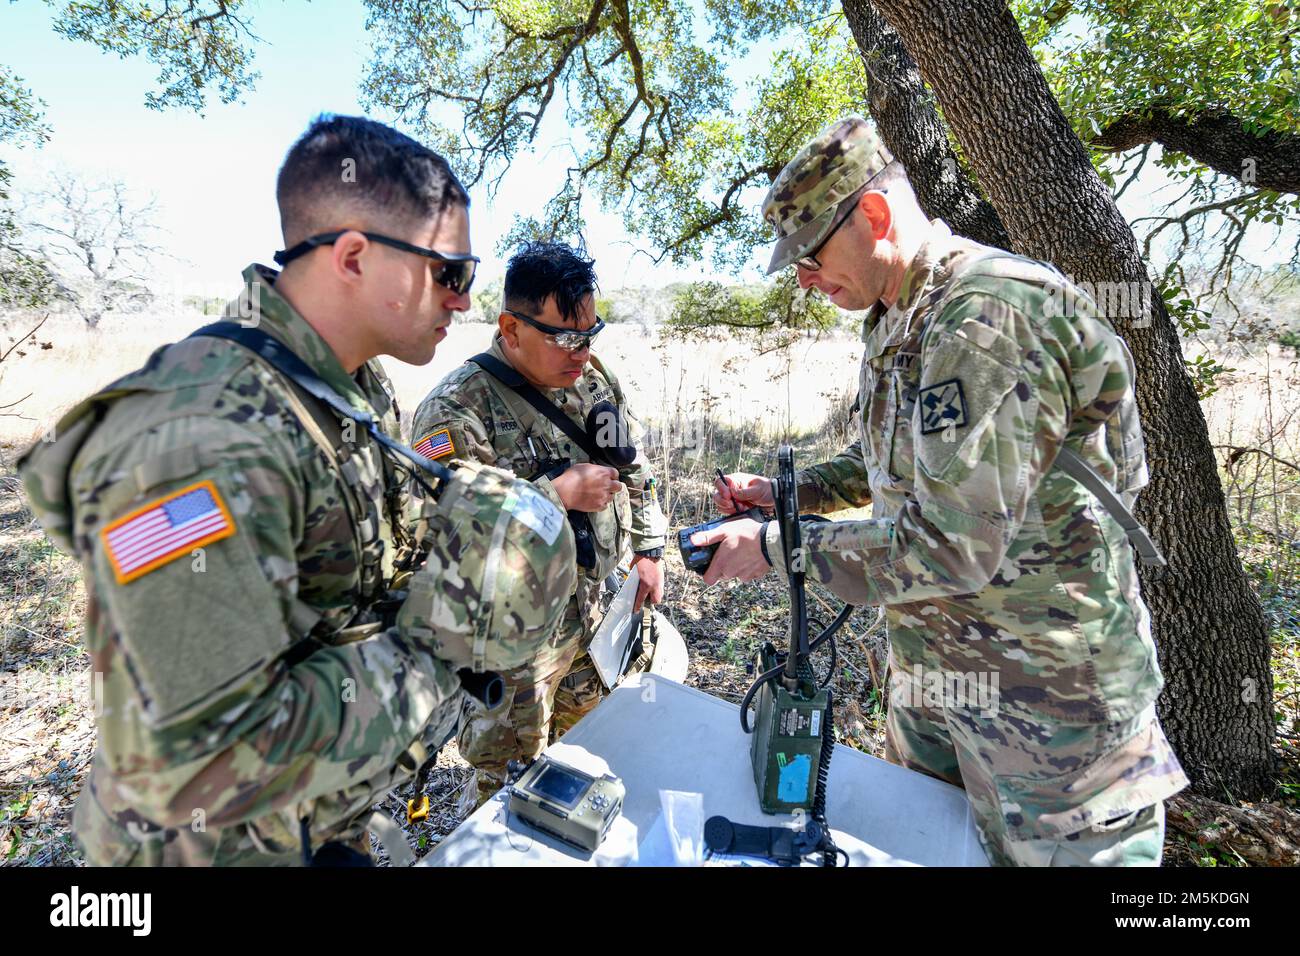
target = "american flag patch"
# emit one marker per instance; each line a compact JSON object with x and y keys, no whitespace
{"x":151,"y":536}
{"x":436,"y":444}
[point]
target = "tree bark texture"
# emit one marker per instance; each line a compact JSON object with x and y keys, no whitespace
{"x":1213,"y":639}
{"x":914,"y":131}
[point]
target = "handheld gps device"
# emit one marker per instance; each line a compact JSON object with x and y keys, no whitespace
{"x":570,"y":805}
{"x":697,"y":557}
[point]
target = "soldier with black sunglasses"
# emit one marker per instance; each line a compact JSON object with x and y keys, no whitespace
{"x":246,"y":548}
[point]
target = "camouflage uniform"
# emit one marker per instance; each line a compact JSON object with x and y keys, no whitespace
{"x":485,"y":421}
{"x":250,"y":681}
{"x":990,"y":562}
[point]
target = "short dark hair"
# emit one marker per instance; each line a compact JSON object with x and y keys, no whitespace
{"x":352,"y":165}
{"x":542,"y":269}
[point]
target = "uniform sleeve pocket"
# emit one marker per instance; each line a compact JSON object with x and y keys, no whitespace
{"x":195,"y":617}
{"x":962,"y":398}
{"x":604,"y":524}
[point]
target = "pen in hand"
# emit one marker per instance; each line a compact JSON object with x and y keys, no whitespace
{"x":726,"y":484}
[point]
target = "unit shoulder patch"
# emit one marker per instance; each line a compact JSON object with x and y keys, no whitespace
{"x":943,"y":405}
{"x":165,"y":528}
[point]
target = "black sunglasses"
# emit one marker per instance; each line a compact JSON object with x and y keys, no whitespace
{"x":457,"y":272}
{"x":809,"y":262}
{"x":571,"y":340}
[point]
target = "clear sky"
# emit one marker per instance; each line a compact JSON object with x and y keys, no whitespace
{"x":214,"y":175}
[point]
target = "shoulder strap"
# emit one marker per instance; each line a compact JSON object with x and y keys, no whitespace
{"x":1069,"y":461}
{"x":1082,"y":472}
{"x":316,"y":420}
{"x":272,"y":351}
{"x":521,"y":387}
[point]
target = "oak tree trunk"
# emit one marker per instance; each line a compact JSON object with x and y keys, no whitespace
{"x":1213,"y":640}
{"x":913,"y":130}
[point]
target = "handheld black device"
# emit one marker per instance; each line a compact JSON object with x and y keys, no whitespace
{"x":697,"y":557}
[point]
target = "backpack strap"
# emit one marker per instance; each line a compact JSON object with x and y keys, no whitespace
{"x":510,"y":378}
{"x":1069,"y":462}
{"x":272,"y":351}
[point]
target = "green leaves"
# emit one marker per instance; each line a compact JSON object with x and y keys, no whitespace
{"x":1118,"y":58}
{"x":196,"y":48}
{"x":1190,"y":320}
{"x":665,"y":135}
{"x":774,"y":313}
{"x":21,"y":119}
{"x":25,"y":280}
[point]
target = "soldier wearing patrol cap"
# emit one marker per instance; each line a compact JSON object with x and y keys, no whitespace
{"x":1000,"y":451}
{"x":576,"y":440}
{"x":239,"y":508}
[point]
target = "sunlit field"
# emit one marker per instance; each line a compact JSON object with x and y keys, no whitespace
{"x":706,"y":404}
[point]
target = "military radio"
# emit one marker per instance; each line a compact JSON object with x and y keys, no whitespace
{"x":792,"y":737}
{"x":574,"y":807}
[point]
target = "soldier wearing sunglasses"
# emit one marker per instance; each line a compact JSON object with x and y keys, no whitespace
{"x":245,"y":547}
{"x":1001,"y":451}
{"x":545,"y":331}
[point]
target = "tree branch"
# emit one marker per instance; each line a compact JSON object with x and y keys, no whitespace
{"x":1217,"y":139}
{"x":32,"y":331}
{"x":1236,"y":452}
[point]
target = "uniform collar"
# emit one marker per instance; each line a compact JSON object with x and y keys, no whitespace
{"x":273,"y":313}
{"x":558,"y":395}
{"x":884,"y":323}
{"x":497,"y":351}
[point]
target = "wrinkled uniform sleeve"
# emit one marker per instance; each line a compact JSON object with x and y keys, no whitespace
{"x":215,"y":711}
{"x":975,"y":468}
{"x":464,"y":425}
{"x":835,"y":485}
{"x":464,"y":413}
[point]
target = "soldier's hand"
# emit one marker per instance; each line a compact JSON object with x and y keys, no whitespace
{"x":587,"y":487}
{"x":739,"y":555}
{"x":748,"y":490}
{"x":651,"y":581}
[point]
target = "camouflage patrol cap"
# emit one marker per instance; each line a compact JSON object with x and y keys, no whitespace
{"x":803,"y":201}
{"x":501,"y":566}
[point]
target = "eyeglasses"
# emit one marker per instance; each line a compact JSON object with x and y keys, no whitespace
{"x":809,"y":262}
{"x":571,"y":340}
{"x":456,"y":271}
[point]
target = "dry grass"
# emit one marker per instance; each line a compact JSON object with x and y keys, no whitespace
{"x":709,"y":405}
{"x":46,"y":721}
{"x":723,"y":381}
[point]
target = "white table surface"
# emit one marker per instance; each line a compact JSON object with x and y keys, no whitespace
{"x":658,"y":735}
